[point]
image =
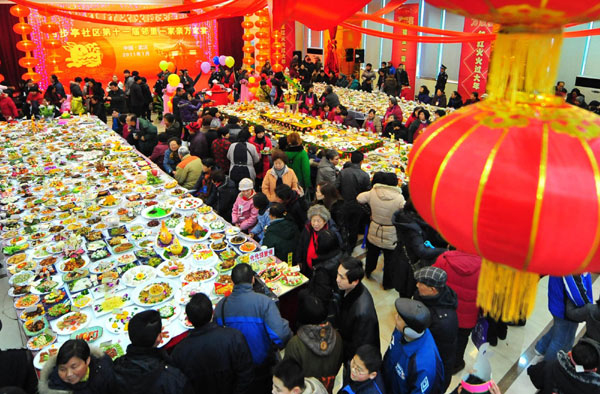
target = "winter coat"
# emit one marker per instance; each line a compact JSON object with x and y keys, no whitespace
{"x":352,"y":181}
{"x":357,"y":321}
{"x":299,"y":162}
{"x":251,"y":157}
{"x":244,"y":213}
{"x":455,"y":103}
{"x":384,"y":200}
{"x":560,"y":376}
{"x":188,"y":171}
{"x":323,"y":284}
{"x":99,"y":110}
{"x":174,"y":130}
{"x":148,"y":370}
{"x":216,"y":360}
{"x":149,"y":132}
{"x":75,"y":89}
{"x":281,"y":234}
{"x":296,"y":210}
{"x":375,"y":125}
{"x":100,"y":381}
{"x":444,"y":325}
{"x":257,"y":317}
{"x":136,"y":98}
{"x":77,"y":106}
{"x":463,"y":275}
{"x":219,"y":149}
{"x":318,"y":350}
{"x":170,"y":161}
{"x":390,"y":85}
{"x":393,"y":110}
{"x":354,"y":84}
{"x":223,"y":199}
{"x":158,"y":154}
{"x":332,"y":100}
{"x":261,"y":224}
{"x":412,"y":367}
{"x":188,"y":110}
{"x":576,"y":288}
{"x":369,"y":386}
{"x":8,"y":109}
{"x":415,"y":130}
{"x":368,"y":75}
{"x":402,"y":78}
{"x":306,"y":237}
{"x":439,"y":101}
{"x":327,"y":172}
{"x":117,"y":101}
{"x":313,"y":386}
{"x":199,"y":145}
{"x":424,"y":98}
{"x":411,"y":237}
{"x":264,"y":159}
{"x":590,"y":314}
{"x":270,"y":182}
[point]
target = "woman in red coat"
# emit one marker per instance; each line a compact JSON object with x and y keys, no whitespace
{"x":263,"y":145}
{"x":393,"y":109}
{"x":463,"y":274}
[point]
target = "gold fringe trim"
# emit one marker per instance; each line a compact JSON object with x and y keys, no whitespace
{"x":524,"y":65}
{"x":506,"y":293}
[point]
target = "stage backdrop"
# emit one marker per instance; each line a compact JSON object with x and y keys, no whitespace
{"x":99,"y":51}
{"x":406,"y":51}
{"x":474,"y":60}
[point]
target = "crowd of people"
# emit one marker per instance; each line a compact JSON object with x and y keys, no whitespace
{"x":300,"y":203}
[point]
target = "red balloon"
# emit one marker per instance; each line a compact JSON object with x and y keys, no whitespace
{"x":25,"y":45}
{"x":22,"y":28}
{"x":19,"y":11}
{"x":28,"y":62}
{"x":49,"y":28}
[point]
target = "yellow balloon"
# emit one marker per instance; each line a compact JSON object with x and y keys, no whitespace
{"x":174,"y":80}
{"x":163,"y":65}
{"x":251,"y":79}
{"x":229,"y":61}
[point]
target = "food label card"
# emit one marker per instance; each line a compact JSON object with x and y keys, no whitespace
{"x":254,"y":257}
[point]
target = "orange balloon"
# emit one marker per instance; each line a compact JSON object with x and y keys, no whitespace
{"x":171,"y":67}
{"x":25,"y":45}
{"x":22,"y":28}
{"x":19,"y":11}
{"x":248,"y":49}
{"x":52,"y":43}
{"x":28,"y":62}
{"x":248,"y":37}
{"x":247,"y":25}
{"x":248,"y":61}
{"x":49,"y":28}
{"x":277,"y":67}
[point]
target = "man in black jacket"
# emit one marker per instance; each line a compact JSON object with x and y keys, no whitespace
{"x":351,"y":182}
{"x":402,"y":78}
{"x":147,"y":98}
{"x":179,"y":92}
{"x":357,"y":319}
{"x":144,"y":368}
{"x":226,"y":192}
{"x":442,"y":303}
{"x":136,"y":97}
{"x":330,"y":97}
{"x":442,"y":78}
{"x":215,"y":359}
{"x":75,"y":87}
{"x":116,"y":98}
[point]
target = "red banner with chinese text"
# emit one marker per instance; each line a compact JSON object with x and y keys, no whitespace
{"x":474,"y":59}
{"x":405,"y":52}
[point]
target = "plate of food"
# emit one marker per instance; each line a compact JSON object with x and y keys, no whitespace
{"x":291,"y":278}
{"x":40,"y":341}
{"x":82,"y":301}
{"x":71,"y":322}
{"x":45,"y":285}
{"x":139,"y":275}
{"x":171,"y":269}
{"x":89,"y":334}
{"x":16,"y":259}
{"x":57,"y":310}
{"x":102,"y":266}
{"x":185,"y":322}
{"x":232,"y":231}
{"x":118,"y":323}
{"x":152,"y":294}
{"x":218,"y":246}
{"x":42,"y":357}
{"x":226,"y":265}
{"x":270,"y":274}
{"x":18,"y":291}
{"x":205,"y":209}
{"x":237,"y":240}
{"x":80,"y":284}
{"x":169,"y":312}
{"x":126,"y":258}
{"x":75,"y":263}
{"x":109,"y":201}
{"x":74,"y":275}
{"x":203,"y":255}
{"x":54,"y":297}
{"x":32,"y":312}
{"x":156,"y":212}
{"x":200,"y":275}
{"x":187,"y":291}
{"x":115,"y":231}
{"x":26,"y":301}
{"x":217,"y":226}
{"x":192,"y":231}
{"x":110,"y":303}
{"x":112,"y":350}
{"x":122,"y":248}
{"x":95,"y":245}
{"x":247,"y":247}
{"x":187,"y":204}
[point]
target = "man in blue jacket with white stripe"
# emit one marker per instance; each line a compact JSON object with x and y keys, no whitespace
{"x":258,"y":318}
{"x":561,"y":336}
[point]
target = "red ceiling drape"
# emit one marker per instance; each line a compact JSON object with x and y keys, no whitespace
{"x":9,"y":55}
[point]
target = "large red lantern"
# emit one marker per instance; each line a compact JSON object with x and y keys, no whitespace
{"x":22,"y":28}
{"x":52,"y":43}
{"x":28,"y":62}
{"x":247,"y":25}
{"x":25,"y":45}
{"x":1,"y":77}
{"x":35,"y":77}
{"x":49,"y":27}
{"x":248,"y":37}
{"x":19,"y":11}
{"x":262,"y":35}
{"x":248,"y":48}
{"x":248,"y":61}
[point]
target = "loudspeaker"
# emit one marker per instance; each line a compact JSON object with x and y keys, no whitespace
{"x":299,"y":54}
{"x":349,"y":54}
{"x":359,"y":56}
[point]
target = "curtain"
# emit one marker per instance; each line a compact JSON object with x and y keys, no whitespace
{"x":230,"y":33}
{"x":9,"y":55}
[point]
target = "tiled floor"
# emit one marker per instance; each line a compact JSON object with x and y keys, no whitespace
{"x":510,"y":353}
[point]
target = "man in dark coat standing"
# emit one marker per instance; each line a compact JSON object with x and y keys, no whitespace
{"x":402,"y":78}
{"x":357,"y":320}
{"x":442,"y":78}
{"x":442,"y":303}
{"x":136,"y":97}
{"x":215,"y":359}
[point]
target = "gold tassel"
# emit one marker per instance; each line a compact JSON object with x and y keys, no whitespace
{"x":506,"y":293}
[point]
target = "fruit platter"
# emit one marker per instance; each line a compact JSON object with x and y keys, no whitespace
{"x":187,"y":204}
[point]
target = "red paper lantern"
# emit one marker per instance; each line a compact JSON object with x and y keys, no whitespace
{"x":262,"y":35}
{"x":264,"y":13}
{"x":539,"y":213}
{"x":261,"y":57}
{"x":22,"y":28}
{"x":51,"y":43}
{"x":262,"y":23}
{"x":28,"y":62}
{"x":35,"y":77}
{"x":49,"y":28}
{"x":248,"y":61}
{"x":277,"y":67}
{"x":248,"y":37}
{"x":19,"y":11}
{"x":261,"y":46}
{"x":277,"y":45}
{"x":247,"y":25}
{"x":248,"y":49}
{"x":277,"y":57}
{"x":551,"y":13}
{"x":25,"y":45}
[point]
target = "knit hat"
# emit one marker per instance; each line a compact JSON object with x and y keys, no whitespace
{"x":414,"y":313}
{"x":311,"y":310}
{"x":144,"y":328}
{"x":432,"y":276}
{"x":316,"y":210}
{"x":246,"y":184}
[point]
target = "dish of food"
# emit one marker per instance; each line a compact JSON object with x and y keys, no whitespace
{"x":71,"y":322}
{"x":89,"y":335}
{"x":153,"y":294}
{"x":82,"y":301}
{"x":16,"y":259}
{"x":291,"y":278}
{"x":95,"y":245}
{"x":74,"y":275}
{"x":205,"y":209}
{"x":237,"y":240}
{"x":122,"y":248}
{"x":248,"y":247}
{"x":42,"y":357}
{"x":192,"y":233}
{"x":80,"y":285}
{"x":139,"y":275}
{"x":22,"y":278}
{"x":118,"y":323}
{"x":218,"y":246}
{"x":40,"y":341}
{"x":58,"y":310}
{"x":35,"y":312}
{"x":200,"y":276}
{"x":74,"y":263}
{"x":226,"y":265}
{"x":102,"y":266}
{"x":18,"y":291}
{"x":110,"y":303}
{"x":171,"y":269}
{"x":169,"y":312}
{"x":232,"y":231}
{"x":156,"y":212}
{"x":54,"y":297}
{"x":126,"y":258}
{"x":113,"y":350}
{"x":26,"y":301}
{"x":188,"y":204}
{"x":44,"y":286}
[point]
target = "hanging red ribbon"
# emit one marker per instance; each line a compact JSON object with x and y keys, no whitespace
{"x":422,"y":29}
{"x":426,"y":39}
{"x":155,"y":10}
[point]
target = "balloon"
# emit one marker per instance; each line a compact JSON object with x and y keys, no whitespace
{"x":251,"y":79}
{"x":170,"y":90}
{"x":163,"y":65}
{"x":229,"y":61}
{"x":222,"y":60}
{"x":205,"y":67}
{"x":174,"y":80}
{"x":216,"y":60}
{"x":180,"y":85}
{"x":171,"y":67}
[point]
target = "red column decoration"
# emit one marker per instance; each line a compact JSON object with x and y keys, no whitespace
{"x":25,"y":45}
{"x":51,"y":44}
{"x":263,"y":35}
{"x":248,"y":47}
{"x":278,"y":49}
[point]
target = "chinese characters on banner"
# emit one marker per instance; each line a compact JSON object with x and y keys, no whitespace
{"x":474,"y":59}
{"x":406,"y":51}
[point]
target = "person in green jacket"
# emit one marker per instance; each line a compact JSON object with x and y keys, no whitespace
{"x":281,"y":234}
{"x":188,"y":170}
{"x":298,"y":160}
{"x":144,"y":133}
